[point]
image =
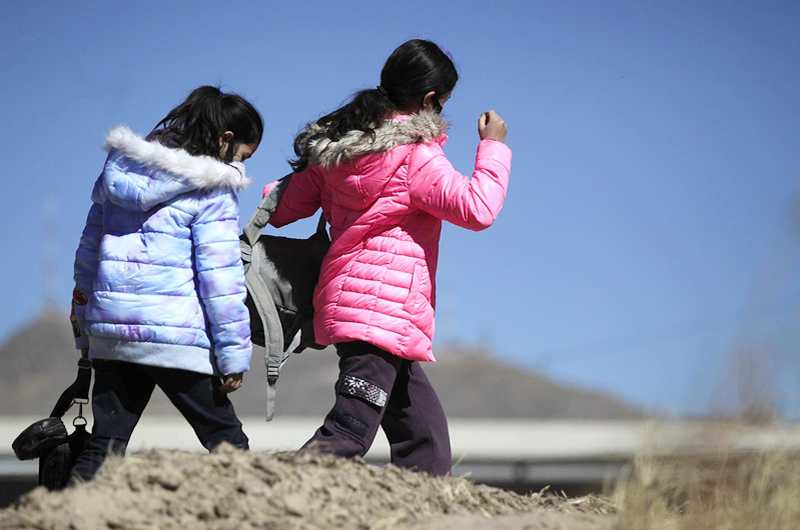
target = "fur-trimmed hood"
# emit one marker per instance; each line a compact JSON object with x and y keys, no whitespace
{"x":416,"y":128}
{"x":139,"y":174}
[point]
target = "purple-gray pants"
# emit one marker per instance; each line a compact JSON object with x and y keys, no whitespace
{"x":377,"y":388}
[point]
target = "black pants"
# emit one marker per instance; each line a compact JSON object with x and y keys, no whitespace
{"x":376,"y":388}
{"x":121,"y":392}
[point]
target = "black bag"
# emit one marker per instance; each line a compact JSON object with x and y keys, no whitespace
{"x":48,"y":440}
{"x":280,"y":274}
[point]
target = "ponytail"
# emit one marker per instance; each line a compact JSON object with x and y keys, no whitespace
{"x":411,"y":71}
{"x":364,"y":113}
{"x":198,"y":122}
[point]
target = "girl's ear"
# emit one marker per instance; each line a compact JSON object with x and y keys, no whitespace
{"x":427,"y":101}
{"x":225,"y":144}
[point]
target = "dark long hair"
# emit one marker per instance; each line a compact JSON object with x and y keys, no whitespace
{"x":197,"y":124}
{"x":412,"y":70}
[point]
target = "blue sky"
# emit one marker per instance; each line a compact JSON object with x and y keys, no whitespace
{"x":646,"y":240}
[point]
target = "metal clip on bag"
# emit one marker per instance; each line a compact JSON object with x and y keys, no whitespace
{"x":48,"y":440}
{"x":280,"y":274}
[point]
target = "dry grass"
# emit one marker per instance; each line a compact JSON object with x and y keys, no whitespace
{"x":723,"y":491}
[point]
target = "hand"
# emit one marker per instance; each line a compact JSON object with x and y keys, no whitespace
{"x":85,"y":353}
{"x":492,"y":126}
{"x":233,"y":382}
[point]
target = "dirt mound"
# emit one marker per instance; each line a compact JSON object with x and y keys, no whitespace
{"x":230,"y":489}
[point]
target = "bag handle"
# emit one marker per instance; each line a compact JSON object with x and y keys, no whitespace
{"x":77,"y":392}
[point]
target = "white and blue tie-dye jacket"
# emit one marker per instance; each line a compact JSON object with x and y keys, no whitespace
{"x":158,"y":274}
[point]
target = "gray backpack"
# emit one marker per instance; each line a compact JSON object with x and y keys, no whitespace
{"x":280,"y":275}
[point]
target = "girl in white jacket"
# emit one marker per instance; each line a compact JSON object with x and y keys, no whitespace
{"x":159,"y":284}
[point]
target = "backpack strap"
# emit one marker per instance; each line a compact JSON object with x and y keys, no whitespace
{"x":257,"y":289}
{"x":322,"y":224}
{"x":273,"y":331}
{"x":255,"y":226}
{"x":275,"y":355}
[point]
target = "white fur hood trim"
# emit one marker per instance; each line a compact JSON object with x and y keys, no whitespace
{"x":420,"y":128}
{"x":203,"y":171}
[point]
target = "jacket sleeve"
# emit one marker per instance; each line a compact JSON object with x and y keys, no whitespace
{"x":85,"y":270}
{"x":220,"y":280}
{"x":301,"y":198}
{"x":473,"y":203}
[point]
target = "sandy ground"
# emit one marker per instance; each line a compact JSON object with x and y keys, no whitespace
{"x":230,"y":489}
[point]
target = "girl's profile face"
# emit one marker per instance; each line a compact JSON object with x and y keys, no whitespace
{"x":434,"y":102}
{"x":244,"y":151}
{"x":241,"y":151}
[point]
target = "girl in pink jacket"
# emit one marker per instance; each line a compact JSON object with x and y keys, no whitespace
{"x":376,"y":168}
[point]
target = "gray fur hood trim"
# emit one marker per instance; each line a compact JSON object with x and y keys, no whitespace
{"x":420,"y":128}
{"x":204,"y":172}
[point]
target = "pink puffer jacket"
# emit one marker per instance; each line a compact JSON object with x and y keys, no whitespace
{"x":385,"y":199}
